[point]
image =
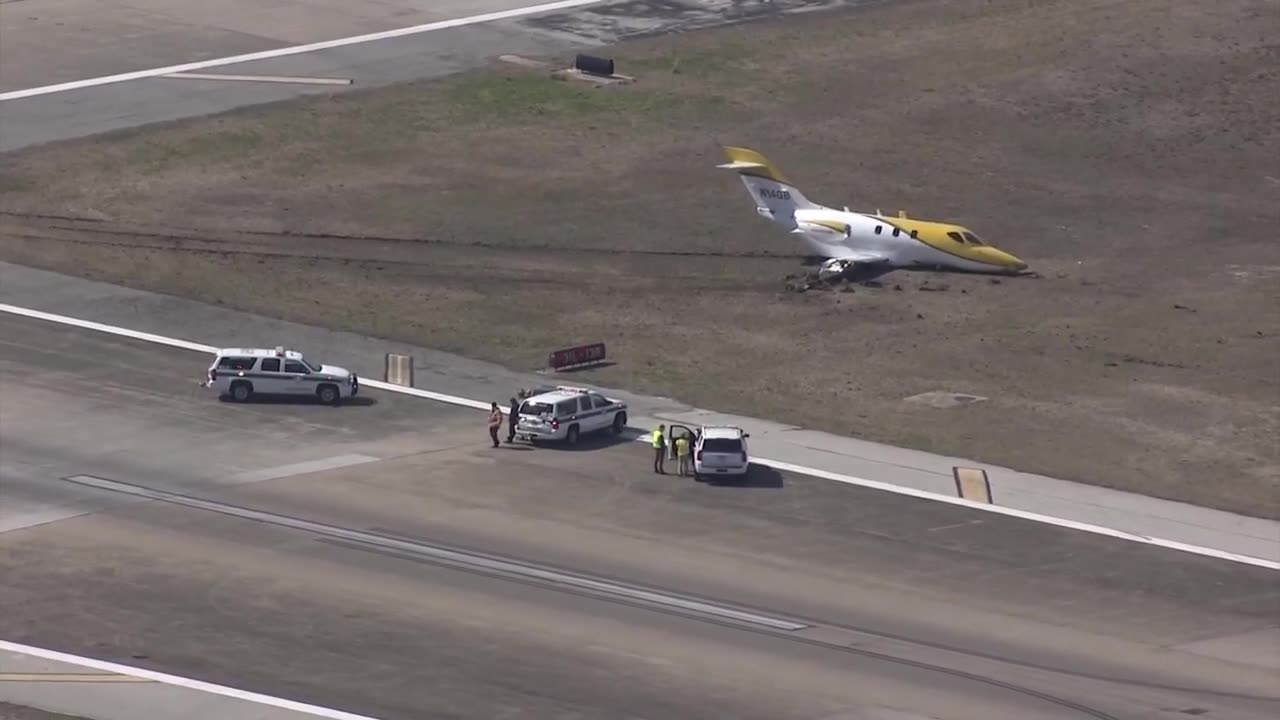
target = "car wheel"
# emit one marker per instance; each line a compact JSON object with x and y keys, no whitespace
{"x":572,"y":436}
{"x":328,"y":394}
{"x":241,"y":391}
{"x":619,"y":423}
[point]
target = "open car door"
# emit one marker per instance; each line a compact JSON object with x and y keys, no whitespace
{"x":673,"y":433}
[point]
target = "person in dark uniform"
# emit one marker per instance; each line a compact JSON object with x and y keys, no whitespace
{"x":513,"y":416}
{"x":659,"y":441}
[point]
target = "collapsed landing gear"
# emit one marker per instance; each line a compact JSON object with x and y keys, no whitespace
{"x":832,"y":273}
{"x":836,"y":270}
{"x":828,"y":274}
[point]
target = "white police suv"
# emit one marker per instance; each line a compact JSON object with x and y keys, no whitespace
{"x":567,"y":413}
{"x":242,"y":373}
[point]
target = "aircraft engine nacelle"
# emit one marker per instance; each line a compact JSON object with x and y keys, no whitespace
{"x":834,"y":268}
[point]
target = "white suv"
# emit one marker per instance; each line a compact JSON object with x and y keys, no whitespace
{"x":244,"y":372}
{"x":718,"y":450}
{"x":567,"y":413}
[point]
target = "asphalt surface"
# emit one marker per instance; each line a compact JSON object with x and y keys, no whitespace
{"x":423,"y":575}
{"x":432,"y":576}
{"x":483,"y":381}
{"x":37,"y":687}
{"x":9,"y":711}
{"x":49,"y":42}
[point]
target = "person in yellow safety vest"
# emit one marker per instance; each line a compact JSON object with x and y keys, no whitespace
{"x":658,"y":437}
{"x":682,"y":454}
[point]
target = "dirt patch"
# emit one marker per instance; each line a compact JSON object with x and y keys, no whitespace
{"x":1125,"y":148}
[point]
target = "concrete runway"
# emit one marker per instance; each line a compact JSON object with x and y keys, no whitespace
{"x":52,"y":42}
{"x":57,"y":41}
{"x":378,"y":558}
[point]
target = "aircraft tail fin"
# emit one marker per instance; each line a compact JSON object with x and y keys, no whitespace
{"x":775,"y":197}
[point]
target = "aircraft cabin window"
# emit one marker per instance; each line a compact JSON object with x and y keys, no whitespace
{"x":878,"y":229}
{"x":915,"y":233}
{"x":896,"y":231}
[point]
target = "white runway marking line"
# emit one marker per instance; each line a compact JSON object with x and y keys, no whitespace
{"x":260,"y":78}
{"x":1024,"y":515}
{"x":302,"y":468}
{"x":451,"y":557}
{"x":777,"y":465}
{"x":182,"y":682}
{"x":47,"y":677}
{"x":110,"y":329}
{"x":300,"y":49}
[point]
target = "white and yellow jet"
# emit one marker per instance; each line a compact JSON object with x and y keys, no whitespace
{"x":853,"y":240}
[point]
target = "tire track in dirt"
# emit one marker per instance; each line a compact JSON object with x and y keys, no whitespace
{"x":222,"y":239}
{"x":371,"y":255}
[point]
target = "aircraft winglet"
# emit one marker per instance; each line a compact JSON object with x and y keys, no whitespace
{"x":739,"y":164}
{"x":750,"y":162}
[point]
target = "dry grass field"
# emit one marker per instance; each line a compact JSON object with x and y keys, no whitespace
{"x":1127,"y":149}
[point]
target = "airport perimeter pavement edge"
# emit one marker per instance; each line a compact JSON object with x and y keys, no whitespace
{"x":66,"y":684}
{"x":154,"y":318}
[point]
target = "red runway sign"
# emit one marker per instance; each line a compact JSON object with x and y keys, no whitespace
{"x":574,"y":356}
